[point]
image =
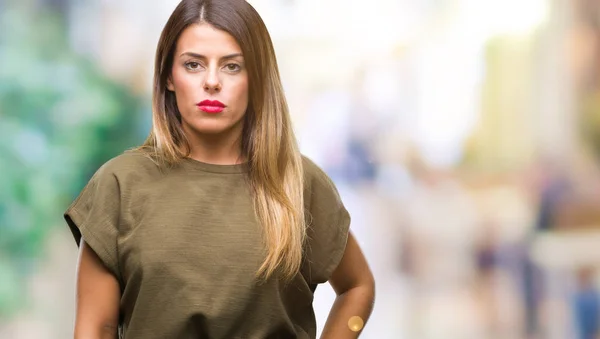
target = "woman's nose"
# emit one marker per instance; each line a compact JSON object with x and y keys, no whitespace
{"x":212,"y":82}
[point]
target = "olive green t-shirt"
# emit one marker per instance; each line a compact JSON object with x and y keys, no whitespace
{"x":185,"y":244}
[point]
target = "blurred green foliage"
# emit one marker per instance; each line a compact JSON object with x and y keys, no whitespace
{"x":60,"y":119}
{"x":590,"y":120}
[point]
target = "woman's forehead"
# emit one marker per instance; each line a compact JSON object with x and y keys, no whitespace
{"x":206,"y":40}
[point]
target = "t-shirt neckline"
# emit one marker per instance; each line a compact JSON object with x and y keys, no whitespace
{"x":215,"y":168}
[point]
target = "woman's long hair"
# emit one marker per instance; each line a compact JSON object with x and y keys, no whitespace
{"x":268,"y":142}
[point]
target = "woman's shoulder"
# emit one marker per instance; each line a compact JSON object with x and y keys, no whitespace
{"x":315,"y":178}
{"x":130,"y":162}
{"x":312,"y":170}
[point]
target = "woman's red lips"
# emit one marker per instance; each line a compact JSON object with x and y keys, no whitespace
{"x":215,"y":103}
{"x":211,"y":106}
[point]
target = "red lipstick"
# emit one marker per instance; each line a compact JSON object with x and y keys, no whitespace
{"x":211,"y":106}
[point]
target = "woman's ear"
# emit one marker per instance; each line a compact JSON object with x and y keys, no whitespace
{"x":170,"y":86}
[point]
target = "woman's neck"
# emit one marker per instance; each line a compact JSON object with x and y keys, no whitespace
{"x":219,"y":149}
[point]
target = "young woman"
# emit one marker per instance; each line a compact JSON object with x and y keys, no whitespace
{"x":217,"y":226}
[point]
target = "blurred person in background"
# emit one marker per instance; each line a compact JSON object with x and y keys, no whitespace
{"x":487,"y":266}
{"x":551,"y":186}
{"x":586,"y":305}
{"x":216,"y":226}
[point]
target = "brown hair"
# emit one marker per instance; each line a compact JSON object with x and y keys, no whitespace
{"x":268,"y":142}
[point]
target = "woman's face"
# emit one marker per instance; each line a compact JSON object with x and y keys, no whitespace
{"x":210,"y":81}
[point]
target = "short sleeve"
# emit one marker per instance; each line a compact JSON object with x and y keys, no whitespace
{"x":328,"y":225}
{"x":95,"y":215}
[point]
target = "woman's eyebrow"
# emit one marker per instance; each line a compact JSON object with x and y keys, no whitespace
{"x":200,"y":56}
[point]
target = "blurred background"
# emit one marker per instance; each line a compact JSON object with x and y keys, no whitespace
{"x":463,"y":135}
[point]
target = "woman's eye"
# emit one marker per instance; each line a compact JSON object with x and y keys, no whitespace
{"x":192,"y":65}
{"x":233,"y":67}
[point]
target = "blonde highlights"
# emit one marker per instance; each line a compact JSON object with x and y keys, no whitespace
{"x":276,"y":175}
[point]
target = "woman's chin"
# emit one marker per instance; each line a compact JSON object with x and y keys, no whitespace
{"x":211,"y":128}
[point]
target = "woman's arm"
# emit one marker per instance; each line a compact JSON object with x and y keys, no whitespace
{"x":98,"y":295}
{"x":354,"y":285}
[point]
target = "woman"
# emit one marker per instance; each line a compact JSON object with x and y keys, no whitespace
{"x":216,"y":227}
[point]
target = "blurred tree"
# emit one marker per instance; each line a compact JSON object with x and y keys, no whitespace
{"x":590,"y":121}
{"x":585,"y":57}
{"x":60,"y":118}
